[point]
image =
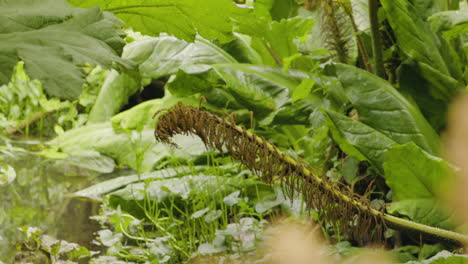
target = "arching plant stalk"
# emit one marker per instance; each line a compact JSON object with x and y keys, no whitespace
{"x":337,"y":204}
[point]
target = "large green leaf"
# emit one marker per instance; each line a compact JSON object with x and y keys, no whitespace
{"x":383,"y":108}
{"x":359,"y":140}
{"x":410,"y":80}
{"x":261,"y":89}
{"x":425,"y":211}
{"x":413,"y":173}
{"x":212,"y":19}
{"x":414,"y":36}
{"x":430,"y":51}
{"x":126,"y":148}
{"x":53,"y":39}
{"x":165,"y":55}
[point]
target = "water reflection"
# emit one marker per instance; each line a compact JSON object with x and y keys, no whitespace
{"x":39,"y":197}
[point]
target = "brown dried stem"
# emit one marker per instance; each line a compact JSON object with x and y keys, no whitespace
{"x":337,"y":205}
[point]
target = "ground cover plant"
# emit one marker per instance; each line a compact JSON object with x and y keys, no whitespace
{"x":330,"y":112}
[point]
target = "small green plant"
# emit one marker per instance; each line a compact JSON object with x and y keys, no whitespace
{"x":41,"y":248}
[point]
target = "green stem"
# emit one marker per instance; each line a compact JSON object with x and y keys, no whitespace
{"x":376,"y":39}
{"x":454,"y":5}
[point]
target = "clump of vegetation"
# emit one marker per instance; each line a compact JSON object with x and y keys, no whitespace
{"x":335,"y":108}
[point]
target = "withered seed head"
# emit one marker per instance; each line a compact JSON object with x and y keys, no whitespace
{"x":337,"y":205}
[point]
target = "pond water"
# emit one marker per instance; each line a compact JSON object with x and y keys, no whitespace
{"x":40,"y":197}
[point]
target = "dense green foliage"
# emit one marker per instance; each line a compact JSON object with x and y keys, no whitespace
{"x":303,"y":78}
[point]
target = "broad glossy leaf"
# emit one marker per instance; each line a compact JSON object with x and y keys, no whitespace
{"x":212,"y":19}
{"x":383,"y":108}
{"x":359,"y":140}
{"x":425,"y":211}
{"x":53,"y":44}
{"x":413,"y":173}
{"x":165,"y":55}
{"x":259,"y":88}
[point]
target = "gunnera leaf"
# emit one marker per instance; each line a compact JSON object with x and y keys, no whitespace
{"x":54,"y":39}
{"x":212,"y":19}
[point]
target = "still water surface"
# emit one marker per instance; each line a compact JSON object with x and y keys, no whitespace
{"x":40,"y":197}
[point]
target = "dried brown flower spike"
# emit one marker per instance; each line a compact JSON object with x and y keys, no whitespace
{"x":350,"y":212}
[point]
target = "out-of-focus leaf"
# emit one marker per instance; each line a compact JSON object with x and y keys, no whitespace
{"x":232,"y":198}
{"x":359,"y":140}
{"x":349,"y":169}
{"x":444,"y":257}
{"x":212,"y":19}
{"x":447,"y":20}
{"x":303,"y":89}
{"x":425,"y":211}
{"x":428,"y":250}
{"x":425,"y":8}
{"x":7,"y":174}
{"x":361,"y":14}
{"x":212,"y":215}
{"x":53,"y":39}
{"x":383,"y":108}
